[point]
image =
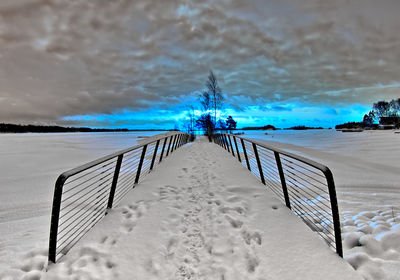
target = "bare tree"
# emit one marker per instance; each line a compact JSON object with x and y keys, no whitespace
{"x":205,"y":101}
{"x":190,"y":112}
{"x":215,"y":94}
{"x":205,"y":121}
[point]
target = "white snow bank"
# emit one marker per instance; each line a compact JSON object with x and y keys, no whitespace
{"x":366,"y":169}
{"x":29,"y":166}
{"x":200,"y":216}
{"x":372,"y":243}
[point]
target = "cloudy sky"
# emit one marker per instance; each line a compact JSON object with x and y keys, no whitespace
{"x":135,"y":64}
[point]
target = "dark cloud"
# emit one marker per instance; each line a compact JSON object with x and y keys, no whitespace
{"x":86,"y":57}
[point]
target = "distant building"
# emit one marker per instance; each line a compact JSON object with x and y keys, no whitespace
{"x":389,"y":122}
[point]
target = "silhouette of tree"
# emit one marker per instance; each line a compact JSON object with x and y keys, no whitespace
{"x":382,"y":109}
{"x":221,"y":125}
{"x":205,"y":122}
{"x":205,"y":101}
{"x":215,"y":94}
{"x":230,"y":123}
{"x":369,"y":118}
{"x":395,"y":106}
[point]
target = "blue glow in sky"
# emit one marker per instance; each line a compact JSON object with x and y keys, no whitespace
{"x":140,"y":64}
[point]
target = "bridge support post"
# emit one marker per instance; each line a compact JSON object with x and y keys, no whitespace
{"x":226,"y":143}
{"x":237,"y":149}
{"x":154,"y":155}
{"x":283,"y":181}
{"x":55,"y":215}
{"x":169,"y":145}
{"x":139,"y":169}
{"x":245,"y":154}
{"x":258,"y":163}
{"x":163,"y":148}
{"x":114,"y":181}
{"x":230,"y":143}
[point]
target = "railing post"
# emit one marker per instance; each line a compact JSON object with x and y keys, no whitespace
{"x":162,"y":151}
{"x":258,"y":163}
{"x":139,"y":169}
{"x":335,"y":211}
{"x":220,"y":140}
{"x":237,"y":149}
{"x":226,"y":142}
{"x":55,"y":215}
{"x":178,"y":138}
{"x":283,"y":181}
{"x":155,"y":154}
{"x":230,"y":143}
{"x":245,"y":154}
{"x":114,"y":181}
{"x":173,"y":143}
{"x":179,"y":141}
{"x":182,"y":140}
{"x":223,"y":138}
{"x":169,"y":145}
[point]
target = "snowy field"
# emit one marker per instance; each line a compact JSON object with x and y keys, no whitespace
{"x":191,"y":219}
{"x":29,"y":165}
{"x":366,"y":168}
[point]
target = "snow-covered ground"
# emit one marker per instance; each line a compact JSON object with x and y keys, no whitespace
{"x":29,"y":166}
{"x":365,"y":166}
{"x":193,"y":219}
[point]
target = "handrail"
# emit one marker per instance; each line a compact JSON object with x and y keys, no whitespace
{"x":83,"y":195}
{"x":305,"y":186}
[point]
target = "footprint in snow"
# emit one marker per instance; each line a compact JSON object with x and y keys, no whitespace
{"x":132,"y":213}
{"x":108,"y":241}
{"x":235,"y":223}
{"x":251,"y":237}
{"x":92,"y":263}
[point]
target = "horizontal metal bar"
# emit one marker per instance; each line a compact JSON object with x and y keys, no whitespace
{"x":84,"y":175}
{"x":297,"y":157}
{"x":88,"y":165}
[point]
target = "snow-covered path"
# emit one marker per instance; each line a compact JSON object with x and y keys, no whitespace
{"x":200,"y":215}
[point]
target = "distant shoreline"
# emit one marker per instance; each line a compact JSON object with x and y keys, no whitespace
{"x":17,"y":128}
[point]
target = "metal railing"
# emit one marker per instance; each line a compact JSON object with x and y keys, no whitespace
{"x":82,"y":195}
{"x":305,"y":186}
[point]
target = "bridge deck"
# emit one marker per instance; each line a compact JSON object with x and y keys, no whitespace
{"x":201,"y":215}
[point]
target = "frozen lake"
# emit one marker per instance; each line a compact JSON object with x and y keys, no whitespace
{"x":365,"y":164}
{"x":366,"y":168}
{"x":30,"y":163}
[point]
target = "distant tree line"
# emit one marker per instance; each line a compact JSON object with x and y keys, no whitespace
{"x":303,"y":127}
{"x":265,"y":127}
{"x":16,"y":128}
{"x":383,"y":112}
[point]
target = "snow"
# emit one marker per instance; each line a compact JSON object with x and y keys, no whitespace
{"x":365,"y":167}
{"x":30,"y":163}
{"x":201,"y":215}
